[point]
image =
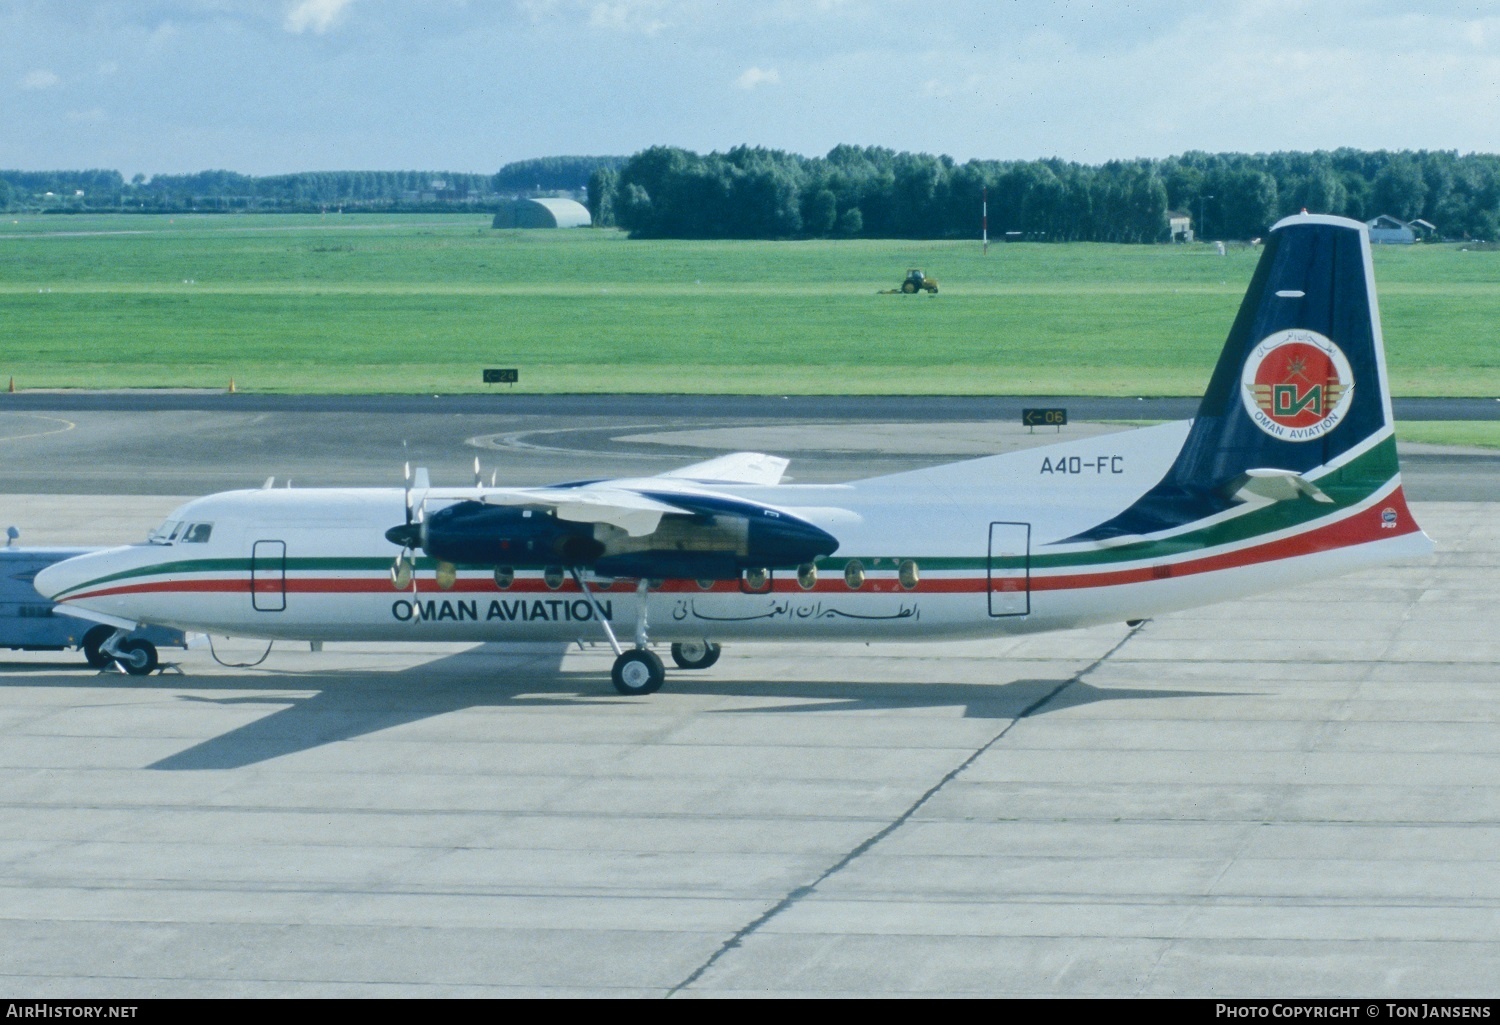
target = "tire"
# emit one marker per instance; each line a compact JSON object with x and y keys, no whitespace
{"x":138,"y":657}
{"x":638,"y":672}
{"x":93,"y":651}
{"x":696,"y":654}
{"x":908,"y":287}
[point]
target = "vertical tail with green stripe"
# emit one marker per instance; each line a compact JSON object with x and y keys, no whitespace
{"x":1299,"y":406}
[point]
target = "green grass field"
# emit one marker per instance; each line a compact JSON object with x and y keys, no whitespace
{"x":420,"y":303}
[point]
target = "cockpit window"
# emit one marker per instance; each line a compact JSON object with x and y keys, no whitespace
{"x":181,"y":532}
{"x":163,"y":534}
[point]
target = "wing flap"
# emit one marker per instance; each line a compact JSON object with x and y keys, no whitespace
{"x":633,"y":513}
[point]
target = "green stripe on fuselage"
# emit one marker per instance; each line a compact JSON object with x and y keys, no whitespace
{"x":1349,"y":485}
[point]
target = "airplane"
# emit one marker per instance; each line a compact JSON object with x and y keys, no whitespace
{"x":1288,"y":473}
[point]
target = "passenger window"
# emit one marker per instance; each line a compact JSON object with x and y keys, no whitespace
{"x":198,"y":533}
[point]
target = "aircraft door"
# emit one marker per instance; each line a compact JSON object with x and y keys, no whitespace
{"x":268,"y":576}
{"x":1009,"y":573}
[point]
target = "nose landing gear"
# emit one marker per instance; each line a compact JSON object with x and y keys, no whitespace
{"x":136,"y":657}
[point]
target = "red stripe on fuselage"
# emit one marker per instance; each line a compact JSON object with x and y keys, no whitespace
{"x":1361,"y":528}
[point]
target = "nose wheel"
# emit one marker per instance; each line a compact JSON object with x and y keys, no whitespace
{"x":638,"y":671}
{"x":136,"y":657}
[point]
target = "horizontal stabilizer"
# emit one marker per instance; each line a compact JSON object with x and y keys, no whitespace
{"x":735,"y":468}
{"x":1273,"y":485}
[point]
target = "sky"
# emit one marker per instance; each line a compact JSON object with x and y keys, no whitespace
{"x":273,"y":86}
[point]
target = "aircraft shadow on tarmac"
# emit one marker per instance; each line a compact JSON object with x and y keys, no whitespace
{"x":352,"y":703}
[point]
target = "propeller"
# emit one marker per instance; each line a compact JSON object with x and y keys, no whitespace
{"x":409,"y":534}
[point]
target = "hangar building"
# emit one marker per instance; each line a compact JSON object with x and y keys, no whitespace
{"x":1387,"y":230}
{"x":542,"y":213}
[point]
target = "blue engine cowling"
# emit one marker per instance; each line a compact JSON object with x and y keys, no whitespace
{"x":487,"y":535}
{"x":715,"y":539}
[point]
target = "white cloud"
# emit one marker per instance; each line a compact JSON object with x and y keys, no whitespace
{"x":162,"y":35}
{"x":1480,"y":32}
{"x":1076,"y":78}
{"x":754,"y":77}
{"x":642,"y":16}
{"x":39,"y":79}
{"x":316,"y":15}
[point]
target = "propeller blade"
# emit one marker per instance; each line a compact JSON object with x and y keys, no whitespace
{"x":478,"y":479}
{"x":400,"y":572}
{"x":423,"y":484}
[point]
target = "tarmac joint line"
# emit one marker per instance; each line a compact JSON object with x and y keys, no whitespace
{"x":797,"y":894}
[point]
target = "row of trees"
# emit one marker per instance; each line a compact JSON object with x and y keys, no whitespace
{"x":313,"y":190}
{"x":748,"y":192}
{"x":551,"y":174}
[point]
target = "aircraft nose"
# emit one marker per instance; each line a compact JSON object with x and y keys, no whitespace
{"x":61,"y":577}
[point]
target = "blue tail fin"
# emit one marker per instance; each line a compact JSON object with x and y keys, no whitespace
{"x":1301,"y":380}
{"x":1300,"y":384}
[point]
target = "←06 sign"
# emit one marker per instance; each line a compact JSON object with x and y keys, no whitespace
{"x":1297,"y":385}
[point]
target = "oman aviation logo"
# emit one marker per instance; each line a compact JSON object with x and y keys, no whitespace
{"x":1297,"y":385}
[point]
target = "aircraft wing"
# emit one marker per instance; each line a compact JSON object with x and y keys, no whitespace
{"x":633,"y":513}
{"x":735,"y":468}
{"x":623,"y":506}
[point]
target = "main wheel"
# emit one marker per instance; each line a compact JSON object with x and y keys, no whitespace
{"x":908,"y":287}
{"x":637,"y":672}
{"x":138,"y":657}
{"x":93,"y":646}
{"x":696,"y":654}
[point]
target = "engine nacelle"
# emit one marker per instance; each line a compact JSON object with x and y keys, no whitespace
{"x":715,"y":539}
{"x":472,"y":533}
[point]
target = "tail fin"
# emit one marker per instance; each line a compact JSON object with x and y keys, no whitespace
{"x":1302,"y":377}
{"x":1299,"y":393}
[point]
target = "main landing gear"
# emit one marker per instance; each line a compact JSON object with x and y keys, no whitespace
{"x":639,"y":671}
{"x":695,"y":654}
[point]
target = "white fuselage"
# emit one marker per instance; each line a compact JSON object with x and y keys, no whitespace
{"x":985,"y":538}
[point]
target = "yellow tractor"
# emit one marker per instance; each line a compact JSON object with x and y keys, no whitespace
{"x":916,"y":281}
